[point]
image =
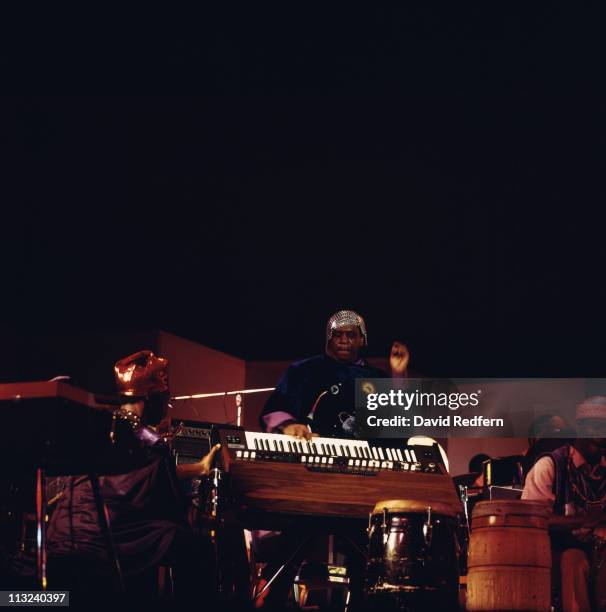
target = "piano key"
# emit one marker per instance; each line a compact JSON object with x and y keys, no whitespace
{"x":374,"y":452}
{"x":413,"y":455}
{"x":407,"y":453}
{"x":388,"y":451}
{"x":381,"y":455}
{"x":399,"y":453}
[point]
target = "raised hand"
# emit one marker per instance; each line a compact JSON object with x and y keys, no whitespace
{"x":398,"y":359}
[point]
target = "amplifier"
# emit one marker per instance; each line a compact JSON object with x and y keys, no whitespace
{"x":191,"y":440}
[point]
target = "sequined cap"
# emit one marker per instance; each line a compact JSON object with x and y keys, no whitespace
{"x":344,"y":318}
{"x":592,"y":408}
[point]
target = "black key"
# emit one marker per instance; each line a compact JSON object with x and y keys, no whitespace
{"x":257,"y":444}
{"x":324,"y":452}
{"x":334,"y":450}
{"x":367,"y":453}
{"x":358,"y":452}
{"x":266,"y":443}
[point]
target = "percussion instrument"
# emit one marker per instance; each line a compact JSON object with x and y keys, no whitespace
{"x":509,"y":561}
{"x":412,"y":556}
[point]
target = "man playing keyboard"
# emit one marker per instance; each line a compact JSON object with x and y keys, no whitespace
{"x":319,"y":391}
{"x":327,"y":380}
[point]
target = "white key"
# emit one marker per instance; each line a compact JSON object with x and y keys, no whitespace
{"x":399,"y":453}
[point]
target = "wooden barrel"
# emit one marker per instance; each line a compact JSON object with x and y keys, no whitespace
{"x":509,"y":559}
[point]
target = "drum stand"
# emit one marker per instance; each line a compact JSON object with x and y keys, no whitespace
{"x":294,"y":556}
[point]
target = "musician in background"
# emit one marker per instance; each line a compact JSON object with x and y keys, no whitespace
{"x":305,"y":384}
{"x":572,"y":479}
{"x":146,"y":509}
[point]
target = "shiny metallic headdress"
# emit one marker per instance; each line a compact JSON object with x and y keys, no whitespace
{"x":142,"y":374}
{"x":343,"y":318}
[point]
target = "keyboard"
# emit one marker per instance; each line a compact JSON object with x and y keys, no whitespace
{"x":270,"y":475}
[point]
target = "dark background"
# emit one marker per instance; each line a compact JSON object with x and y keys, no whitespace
{"x":235,"y":175}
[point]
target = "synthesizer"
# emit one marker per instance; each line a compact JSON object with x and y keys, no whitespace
{"x":271,"y":475}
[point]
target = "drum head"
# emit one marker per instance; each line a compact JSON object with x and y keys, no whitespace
{"x":413,"y":505}
{"x":505,"y":507}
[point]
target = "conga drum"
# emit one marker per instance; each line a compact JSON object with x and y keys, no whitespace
{"x":509,"y":560}
{"x":412,"y":556}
